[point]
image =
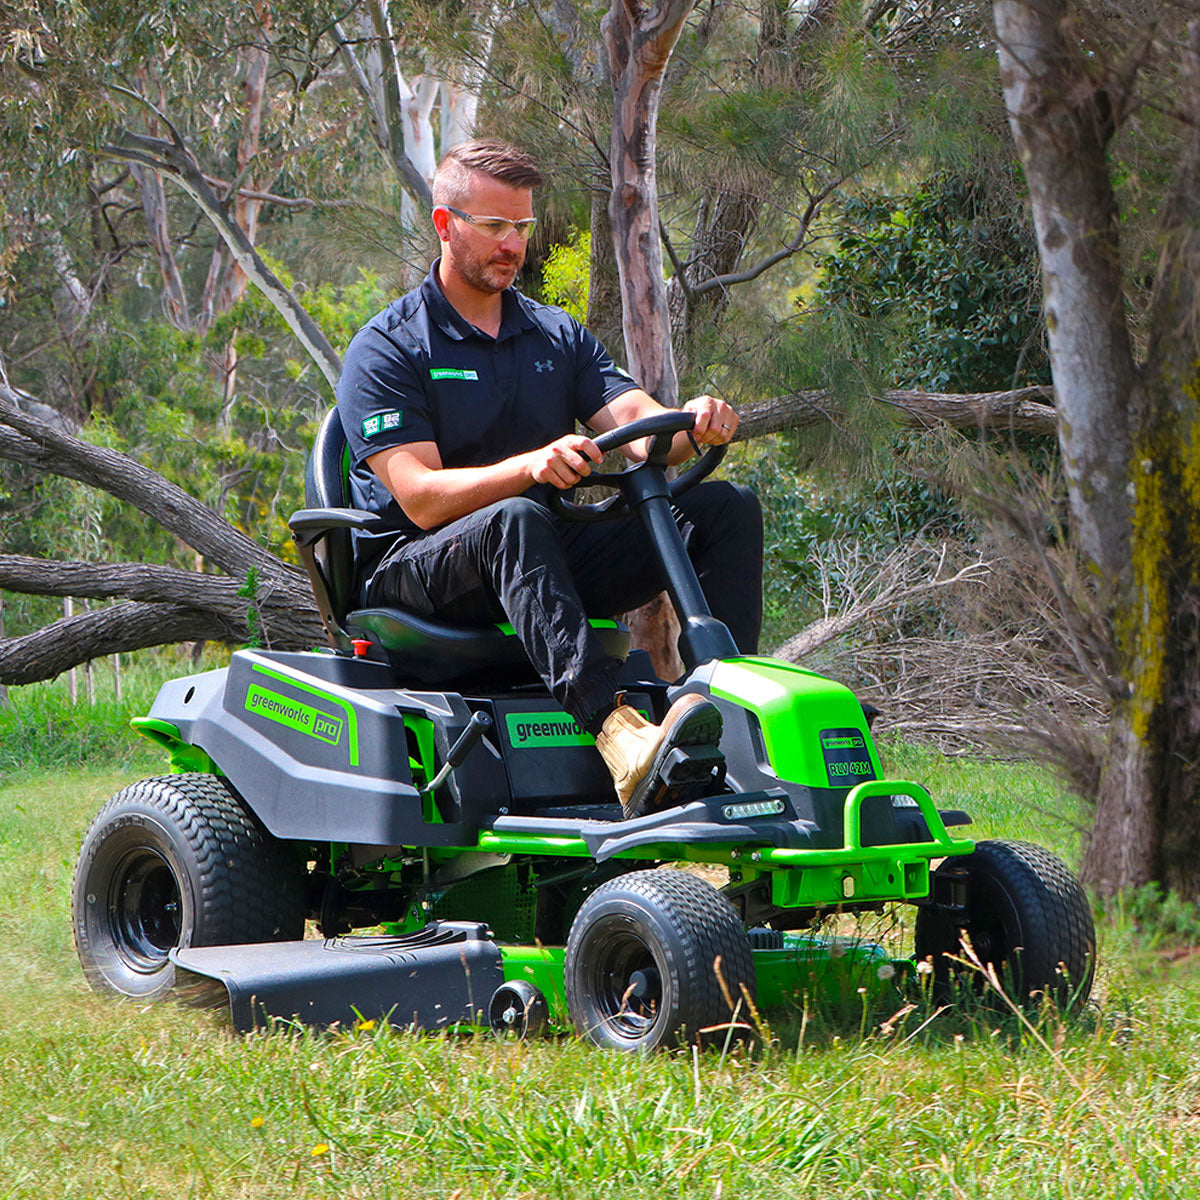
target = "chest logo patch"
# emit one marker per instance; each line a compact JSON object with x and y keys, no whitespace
{"x":381,"y":423}
{"x":543,"y":365}
{"x":452,"y":373}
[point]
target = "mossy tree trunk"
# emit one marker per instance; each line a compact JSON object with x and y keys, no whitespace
{"x":1129,"y":433}
{"x":1150,"y":793}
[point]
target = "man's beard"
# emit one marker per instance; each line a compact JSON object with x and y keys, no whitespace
{"x":482,"y":270}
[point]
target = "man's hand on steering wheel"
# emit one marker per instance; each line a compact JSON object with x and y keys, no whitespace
{"x":564,"y":462}
{"x":716,"y":421}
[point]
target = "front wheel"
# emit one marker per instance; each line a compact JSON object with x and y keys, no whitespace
{"x":177,"y":861}
{"x":654,"y":956}
{"x":1024,"y":914}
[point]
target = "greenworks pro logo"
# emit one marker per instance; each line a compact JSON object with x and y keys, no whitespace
{"x":545,"y":730}
{"x":381,"y":423}
{"x":451,"y":373}
{"x":842,"y":743}
{"x":294,"y":715}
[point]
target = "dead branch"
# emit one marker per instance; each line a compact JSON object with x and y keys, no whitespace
{"x":891,"y":587}
{"x":1015,"y":411}
{"x":101,"y":631}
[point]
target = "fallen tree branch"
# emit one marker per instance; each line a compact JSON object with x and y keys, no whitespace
{"x":118,"y":629}
{"x":1022,"y":410}
{"x":51,"y":449}
{"x":885,"y":602}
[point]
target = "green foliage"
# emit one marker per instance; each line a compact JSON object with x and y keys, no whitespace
{"x":947,"y":279}
{"x":565,"y":275}
{"x":1155,"y":920}
{"x":249,"y":592}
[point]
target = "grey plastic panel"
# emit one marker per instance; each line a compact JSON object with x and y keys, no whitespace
{"x":314,"y":758}
{"x":442,"y":975}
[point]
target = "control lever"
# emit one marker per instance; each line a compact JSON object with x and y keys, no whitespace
{"x":479,"y":724}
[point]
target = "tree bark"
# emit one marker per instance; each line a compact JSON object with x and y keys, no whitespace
{"x":1019,"y":411}
{"x":1130,"y":437}
{"x":639,"y":40}
{"x":1062,"y":121}
{"x":77,"y":639}
{"x":1148,"y":819}
{"x":1172,"y":386}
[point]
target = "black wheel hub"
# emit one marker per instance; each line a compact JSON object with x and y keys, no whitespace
{"x":627,"y":985}
{"x":145,"y":905}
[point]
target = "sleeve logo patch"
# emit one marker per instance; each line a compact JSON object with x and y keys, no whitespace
{"x":452,"y":373}
{"x":381,"y":423}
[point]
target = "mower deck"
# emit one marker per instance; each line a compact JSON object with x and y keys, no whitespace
{"x":446,"y":975}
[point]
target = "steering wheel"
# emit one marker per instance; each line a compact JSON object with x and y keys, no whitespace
{"x":662,"y":427}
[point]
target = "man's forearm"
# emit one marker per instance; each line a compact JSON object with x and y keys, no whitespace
{"x":438,"y":496}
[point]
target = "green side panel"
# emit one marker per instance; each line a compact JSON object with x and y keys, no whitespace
{"x":422,"y":765}
{"x":185,"y":759}
{"x":543,"y":967}
{"x":814,"y":729}
{"x":818,"y":969}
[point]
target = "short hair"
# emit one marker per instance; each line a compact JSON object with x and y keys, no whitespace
{"x":487,"y":156}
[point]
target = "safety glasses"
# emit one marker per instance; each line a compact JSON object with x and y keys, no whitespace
{"x":496,"y":228}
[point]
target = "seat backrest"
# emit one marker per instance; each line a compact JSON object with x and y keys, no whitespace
{"x":327,"y":485}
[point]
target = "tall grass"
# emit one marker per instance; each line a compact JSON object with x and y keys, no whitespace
{"x":106,"y":1099}
{"x":41,"y":728}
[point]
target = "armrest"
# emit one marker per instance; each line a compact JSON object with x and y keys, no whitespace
{"x":309,"y":525}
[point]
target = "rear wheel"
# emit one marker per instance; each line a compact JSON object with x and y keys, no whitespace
{"x":655,"y":956}
{"x":1024,"y":914}
{"x":177,"y":861}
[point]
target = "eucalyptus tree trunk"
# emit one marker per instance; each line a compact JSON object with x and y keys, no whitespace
{"x":639,"y":39}
{"x":1130,"y":436}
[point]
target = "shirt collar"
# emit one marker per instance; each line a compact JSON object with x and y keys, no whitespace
{"x":514,"y":311}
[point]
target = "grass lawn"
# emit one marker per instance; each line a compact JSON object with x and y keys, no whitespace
{"x":103,"y":1098}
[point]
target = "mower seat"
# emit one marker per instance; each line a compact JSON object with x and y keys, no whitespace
{"x":423,"y":648}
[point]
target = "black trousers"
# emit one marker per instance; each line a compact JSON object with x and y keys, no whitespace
{"x":516,"y":560}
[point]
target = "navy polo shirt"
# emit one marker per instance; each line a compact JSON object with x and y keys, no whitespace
{"x":420,"y":372}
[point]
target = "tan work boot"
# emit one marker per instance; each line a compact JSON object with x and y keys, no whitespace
{"x":634,"y":750}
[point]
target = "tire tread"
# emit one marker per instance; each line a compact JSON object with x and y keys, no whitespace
{"x":706,"y":928}
{"x":244,"y":887}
